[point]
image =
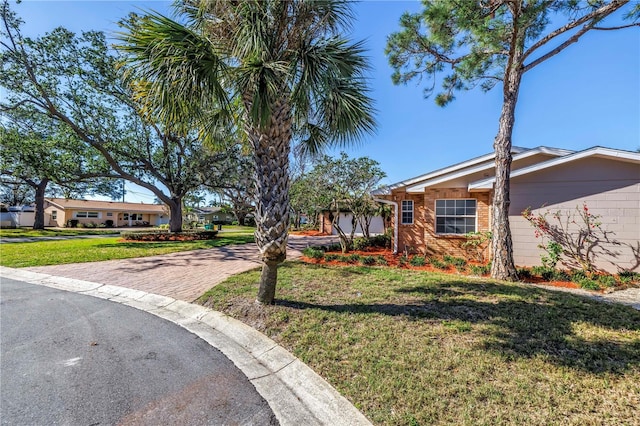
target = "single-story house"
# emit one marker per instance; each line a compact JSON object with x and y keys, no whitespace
{"x":434,"y":210}
{"x":345,"y":220}
{"x":59,"y":211}
{"x":213,"y":215}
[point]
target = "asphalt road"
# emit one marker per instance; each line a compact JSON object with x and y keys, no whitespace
{"x":70,"y":359}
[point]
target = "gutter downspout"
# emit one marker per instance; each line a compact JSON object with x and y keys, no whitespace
{"x":395,"y":221}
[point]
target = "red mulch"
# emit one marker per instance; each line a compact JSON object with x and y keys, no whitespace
{"x":310,"y":233}
{"x":394,"y":262}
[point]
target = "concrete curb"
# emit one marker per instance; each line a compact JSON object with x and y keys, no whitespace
{"x":295,"y":393}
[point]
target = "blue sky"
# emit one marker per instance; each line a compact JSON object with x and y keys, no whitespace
{"x":587,"y":95}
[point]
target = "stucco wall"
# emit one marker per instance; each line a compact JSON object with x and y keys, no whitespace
{"x":610,"y":189}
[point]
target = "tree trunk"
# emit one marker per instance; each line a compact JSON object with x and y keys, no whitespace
{"x":271,"y":161}
{"x":175,"y":214}
{"x":38,"y":221}
{"x":503,"y":266}
{"x":241,"y":216}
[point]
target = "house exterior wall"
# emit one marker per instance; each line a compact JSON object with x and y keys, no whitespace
{"x":610,"y":189}
{"x":452,"y":244}
{"x":420,"y":237}
{"x":376,"y":226}
{"x":325,"y":223}
{"x":60,"y":220}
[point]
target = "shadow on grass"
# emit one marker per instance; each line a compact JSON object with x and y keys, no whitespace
{"x":522,"y":322}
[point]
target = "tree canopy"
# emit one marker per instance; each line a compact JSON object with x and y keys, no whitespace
{"x":288,"y":67}
{"x":76,"y":82}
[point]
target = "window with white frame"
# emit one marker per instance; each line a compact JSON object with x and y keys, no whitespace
{"x":455,"y":216}
{"x":109,"y":214}
{"x":406,"y":212}
{"x":92,"y":215}
{"x":54,"y":214}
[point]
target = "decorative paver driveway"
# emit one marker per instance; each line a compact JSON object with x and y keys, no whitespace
{"x":185,"y":275}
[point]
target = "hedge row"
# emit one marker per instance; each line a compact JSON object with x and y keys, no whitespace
{"x":163,"y":235}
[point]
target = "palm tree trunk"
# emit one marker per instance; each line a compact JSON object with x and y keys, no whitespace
{"x":503,"y":266}
{"x":271,"y":148}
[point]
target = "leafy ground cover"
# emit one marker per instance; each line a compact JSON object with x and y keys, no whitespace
{"x":418,"y":348}
{"x":43,"y":253}
{"x":601,"y":282}
{"x":29,"y":232}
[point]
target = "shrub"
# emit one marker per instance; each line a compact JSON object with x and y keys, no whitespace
{"x":548,"y":274}
{"x":437,"y":263}
{"x":589,"y":284}
{"x":572,"y":234}
{"x":629,"y":276}
{"x":461,"y":268}
{"x":606,"y":281}
{"x":72,"y":223}
{"x":380,"y":260}
{"x":578,"y":275}
{"x":524,"y":273}
{"x":331,"y":256}
{"x":417,"y":261}
{"x":458,"y":262}
{"x":381,"y":240}
{"x":624,"y":279}
{"x":235,"y":223}
{"x":480,"y":269}
{"x":108,"y":223}
{"x":353,"y":258}
{"x":476,"y":244}
{"x":168,"y":236}
{"x":368,"y":260}
{"x":402,"y":260}
{"x":538,"y":270}
{"x":313,"y":253}
{"x":561,"y":275}
{"x":553,"y":252}
{"x":360,"y":243}
{"x":334,"y":247}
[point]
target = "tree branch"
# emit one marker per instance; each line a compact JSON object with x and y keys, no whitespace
{"x":593,"y":16}
{"x":621,"y":27}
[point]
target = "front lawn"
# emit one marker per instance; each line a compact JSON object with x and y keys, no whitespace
{"x":420,"y":348}
{"x":41,"y":253}
{"x":30,"y":232}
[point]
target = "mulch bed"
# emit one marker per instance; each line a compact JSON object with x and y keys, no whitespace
{"x":393,"y":261}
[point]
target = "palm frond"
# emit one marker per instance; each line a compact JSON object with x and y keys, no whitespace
{"x":182,"y":69}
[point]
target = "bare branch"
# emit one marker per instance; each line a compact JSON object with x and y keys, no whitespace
{"x":621,"y":27}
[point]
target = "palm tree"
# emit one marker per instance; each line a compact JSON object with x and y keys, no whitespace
{"x":287,"y":66}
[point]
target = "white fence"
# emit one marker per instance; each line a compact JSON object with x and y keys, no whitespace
{"x":16,"y":219}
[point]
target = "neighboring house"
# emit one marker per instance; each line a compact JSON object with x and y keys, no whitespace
{"x":17,"y":216}
{"x":433,"y":211}
{"x":213,"y":215}
{"x":59,"y":211}
{"x":345,"y":220}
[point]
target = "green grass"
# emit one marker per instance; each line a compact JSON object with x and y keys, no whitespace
{"x":411,"y":347}
{"x":237,"y":229}
{"x":28,"y":232}
{"x":43,"y":253}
